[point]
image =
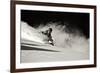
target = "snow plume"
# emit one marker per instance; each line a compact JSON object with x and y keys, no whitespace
{"x":31,"y":34}
{"x":62,"y":38}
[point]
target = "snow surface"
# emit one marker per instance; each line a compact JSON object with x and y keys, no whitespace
{"x":34,"y":47}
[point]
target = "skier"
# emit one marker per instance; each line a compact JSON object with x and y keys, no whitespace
{"x":48,"y":34}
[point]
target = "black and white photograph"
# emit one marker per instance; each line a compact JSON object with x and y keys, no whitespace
{"x":48,"y":36}
{"x":51,"y":36}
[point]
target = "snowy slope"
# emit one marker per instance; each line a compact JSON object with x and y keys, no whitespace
{"x":35,"y":47}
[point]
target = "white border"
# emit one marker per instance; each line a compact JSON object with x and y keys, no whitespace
{"x":58,"y":9}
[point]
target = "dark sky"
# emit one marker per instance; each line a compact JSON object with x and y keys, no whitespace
{"x":78,"y":21}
